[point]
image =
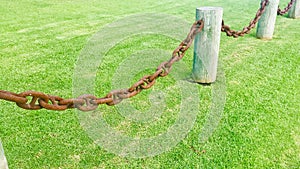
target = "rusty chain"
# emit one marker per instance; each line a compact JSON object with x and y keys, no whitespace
{"x":33,"y":100}
{"x":246,"y":30}
{"x":286,"y":9}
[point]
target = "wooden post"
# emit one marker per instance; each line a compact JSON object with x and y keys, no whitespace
{"x":295,"y":10}
{"x":266,"y":24}
{"x":3,"y":161}
{"x":207,"y":45}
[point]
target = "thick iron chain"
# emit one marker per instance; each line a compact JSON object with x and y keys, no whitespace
{"x":33,"y":100}
{"x":246,"y":30}
{"x":286,"y":9}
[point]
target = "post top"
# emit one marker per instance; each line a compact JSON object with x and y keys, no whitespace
{"x":209,"y":8}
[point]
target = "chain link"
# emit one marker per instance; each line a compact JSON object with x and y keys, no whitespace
{"x":286,"y":9}
{"x":32,"y":100}
{"x":246,"y":30}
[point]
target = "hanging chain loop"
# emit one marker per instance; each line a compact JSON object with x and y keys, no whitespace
{"x":246,"y":30}
{"x":286,"y":9}
{"x":32,"y":100}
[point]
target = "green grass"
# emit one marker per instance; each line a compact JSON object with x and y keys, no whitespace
{"x":40,"y":42}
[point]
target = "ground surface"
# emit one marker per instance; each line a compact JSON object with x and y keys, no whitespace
{"x":40,"y":42}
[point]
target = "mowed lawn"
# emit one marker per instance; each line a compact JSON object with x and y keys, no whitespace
{"x":40,"y":42}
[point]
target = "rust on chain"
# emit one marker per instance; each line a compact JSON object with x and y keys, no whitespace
{"x":246,"y":30}
{"x":286,"y":9}
{"x":32,"y":100}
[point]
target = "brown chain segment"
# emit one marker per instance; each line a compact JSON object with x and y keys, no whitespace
{"x":13,"y":97}
{"x":33,"y":100}
{"x":246,"y":30}
{"x":286,"y":9}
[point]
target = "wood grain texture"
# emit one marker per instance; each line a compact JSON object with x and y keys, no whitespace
{"x":295,"y":10}
{"x":207,"y":44}
{"x":266,"y":24}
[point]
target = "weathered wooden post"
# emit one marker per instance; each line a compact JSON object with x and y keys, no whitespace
{"x":207,"y":44}
{"x":3,"y":161}
{"x":266,"y":24}
{"x":295,"y":10}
